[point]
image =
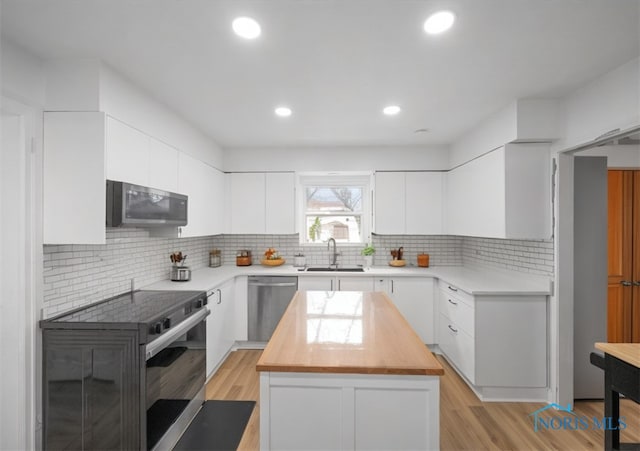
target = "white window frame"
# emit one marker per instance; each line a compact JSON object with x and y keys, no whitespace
{"x":306,"y":179}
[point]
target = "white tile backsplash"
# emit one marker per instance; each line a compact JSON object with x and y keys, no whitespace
{"x":78,"y":275}
{"x":527,"y":256}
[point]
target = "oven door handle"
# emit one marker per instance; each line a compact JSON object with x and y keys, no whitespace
{"x":170,"y":336}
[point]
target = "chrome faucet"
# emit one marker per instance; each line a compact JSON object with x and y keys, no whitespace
{"x":334,"y":256}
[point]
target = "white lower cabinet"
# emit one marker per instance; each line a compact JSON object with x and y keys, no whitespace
{"x":414,"y":297}
{"x":497,"y":342}
{"x":335,"y":283}
{"x":349,"y":411}
{"x":220,"y":324}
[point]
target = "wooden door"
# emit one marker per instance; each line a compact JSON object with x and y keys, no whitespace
{"x":620,"y":256}
{"x":635,"y":310}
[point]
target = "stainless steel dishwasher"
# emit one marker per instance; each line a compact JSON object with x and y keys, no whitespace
{"x":269,"y":297}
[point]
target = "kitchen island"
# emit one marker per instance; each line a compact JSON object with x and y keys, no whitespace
{"x":344,"y":370}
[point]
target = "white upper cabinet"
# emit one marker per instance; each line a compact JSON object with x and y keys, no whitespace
{"x":83,"y":149}
{"x":280,"y":202}
{"x":74,"y":178}
{"x":408,"y":203}
{"x":127,"y":153}
{"x":163,"y":164}
{"x":205,"y":187}
{"x":389,"y":195}
{"x":262,"y":203}
{"x":247,"y":202}
{"x":502,"y":194}
{"x":137,"y":158}
{"x":423,"y":203}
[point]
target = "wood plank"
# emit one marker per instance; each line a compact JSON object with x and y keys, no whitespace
{"x":346,"y":332}
{"x":462,"y":415}
{"x":627,"y":352}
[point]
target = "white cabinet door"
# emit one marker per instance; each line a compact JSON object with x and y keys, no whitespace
{"x":358,"y":283}
{"x":127,"y":153}
{"x":197,"y":179}
{"x":502,"y":194}
{"x":216,"y":201}
{"x":280,"y":203}
{"x":213,"y":331}
{"x":414,"y":297}
{"x":220,"y":325}
{"x":247,"y":203}
{"x":163,"y":166}
{"x":423,"y":203}
{"x":316,"y":283}
{"x":389,"y":198}
{"x":74,"y":178}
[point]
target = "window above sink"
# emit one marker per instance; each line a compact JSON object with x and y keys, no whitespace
{"x":334,"y":206}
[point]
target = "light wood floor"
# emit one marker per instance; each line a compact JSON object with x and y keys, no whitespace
{"x":465,"y":422}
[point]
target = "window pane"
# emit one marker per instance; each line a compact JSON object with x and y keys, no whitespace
{"x":334,"y":199}
{"x":343,"y":228}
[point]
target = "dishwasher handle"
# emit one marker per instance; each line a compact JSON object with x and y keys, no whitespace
{"x":277,"y":284}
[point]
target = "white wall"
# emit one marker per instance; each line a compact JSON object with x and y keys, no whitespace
{"x":21,"y":74}
{"x":608,"y":102}
{"x":336,"y":159}
{"x":73,"y":85}
{"x":523,"y":120}
{"x":617,"y":156}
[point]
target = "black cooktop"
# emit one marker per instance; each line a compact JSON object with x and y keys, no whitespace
{"x":137,"y":307}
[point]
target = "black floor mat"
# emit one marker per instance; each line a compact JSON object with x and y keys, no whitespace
{"x":160,"y":416}
{"x":218,"y":426}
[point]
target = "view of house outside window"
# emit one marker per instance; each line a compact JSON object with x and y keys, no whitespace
{"x":333,"y":212}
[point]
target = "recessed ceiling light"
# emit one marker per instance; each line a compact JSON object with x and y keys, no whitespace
{"x":246,"y":27}
{"x":283,"y":111}
{"x":391,"y":110}
{"x":439,"y":22}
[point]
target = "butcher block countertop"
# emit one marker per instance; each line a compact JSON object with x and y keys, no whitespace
{"x":627,"y":352}
{"x":346,"y":332}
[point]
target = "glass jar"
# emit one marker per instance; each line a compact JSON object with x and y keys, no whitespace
{"x":215,"y":258}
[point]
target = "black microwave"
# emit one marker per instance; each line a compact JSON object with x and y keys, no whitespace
{"x":130,"y":205}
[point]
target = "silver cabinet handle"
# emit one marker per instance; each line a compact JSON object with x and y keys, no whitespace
{"x":339,"y":285}
{"x":637,"y":283}
{"x":452,"y":329}
{"x":331,"y":284}
{"x":392,"y":285}
{"x":277,"y":284}
{"x":626,"y":283}
{"x":219,"y":296}
{"x":452,"y":289}
{"x":451,"y":302}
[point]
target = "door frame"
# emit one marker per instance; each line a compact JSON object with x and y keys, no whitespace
{"x":562,"y":302}
{"x":29,"y":286}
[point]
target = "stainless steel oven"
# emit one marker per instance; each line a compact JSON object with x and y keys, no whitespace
{"x":125,"y":373}
{"x":175,"y":376}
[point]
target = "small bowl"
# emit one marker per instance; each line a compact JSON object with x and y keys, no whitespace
{"x":276,"y":262}
{"x":397,"y":263}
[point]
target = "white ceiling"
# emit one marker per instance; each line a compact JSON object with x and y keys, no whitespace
{"x":336,"y":62}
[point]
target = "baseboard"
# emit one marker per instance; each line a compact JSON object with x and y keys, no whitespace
{"x":504,"y":394}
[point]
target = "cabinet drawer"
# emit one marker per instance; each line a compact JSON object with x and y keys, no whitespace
{"x":452,"y":290}
{"x":458,"y":312}
{"x":457,"y":346}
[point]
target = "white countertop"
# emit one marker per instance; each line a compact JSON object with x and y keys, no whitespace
{"x":474,"y":280}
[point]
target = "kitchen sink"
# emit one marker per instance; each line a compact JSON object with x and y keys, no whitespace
{"x":345,"y":269}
